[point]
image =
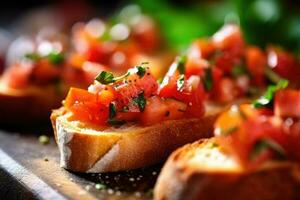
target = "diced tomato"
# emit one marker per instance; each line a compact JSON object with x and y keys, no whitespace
{"x":86,"y":107}
{"x":97,"y":53}
{"x":281,"y":62}
{"x":195,"y":66}
{"x":256,"y":62}
{"x":292,"y":129}
{"x":287,"y":103}
{"x":229,"y":38}
{"x":230,"y":45}
{"x":107,"y":95}
{"x":241,"y":142}
{"x":201,"y":49}
{"x":159,"y":109}
{"x":134,"y":85}
{"x":146,"y":34}
{"x":226,"y":90}
{"x":45,"y":72}
{"x":17,"y":76}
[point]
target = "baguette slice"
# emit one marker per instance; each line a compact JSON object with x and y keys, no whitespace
{"x":86,"y":149}
{"x":203,"y":171}
{"x":29,"y":106}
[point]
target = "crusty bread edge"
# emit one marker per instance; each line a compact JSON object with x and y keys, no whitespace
{"x":134,"y":149}
{"x":178,"y":180}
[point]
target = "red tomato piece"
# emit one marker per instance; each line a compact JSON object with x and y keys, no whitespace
{"x":229,"y":41}
{"x":281,"y":62}
{"x":17,"y":76}
{"x":287,"y":103}
{"x":159,"y":109}
{"x":133,"y":85}
{"x":201,"y":49}
{"x":256,"y":62}
{"x":86,"y":107}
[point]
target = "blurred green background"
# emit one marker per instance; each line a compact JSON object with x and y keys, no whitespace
{"x":263,"y":21}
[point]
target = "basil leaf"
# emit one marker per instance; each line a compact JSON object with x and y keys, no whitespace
{"x":140,"y":101}
{"x":267,"y":99}
{"x":116,"y":122}
{"x":141,"y":71}
{"x":112,"y":110}
{"x":207,"y":79}
{"x":180,"y":82}
{"x":181,"y":60}
{"x":105,"y":78}
{"x":265,"y":144}
{"x":32,"y":56}
{"x":55,"y":58}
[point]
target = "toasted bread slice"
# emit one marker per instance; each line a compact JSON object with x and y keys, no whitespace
{"x":31,"y":105}
{"x":85,"y":149}
{"x":202,"y":170}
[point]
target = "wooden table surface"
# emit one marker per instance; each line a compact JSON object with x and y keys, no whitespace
{"x":30,"y":170}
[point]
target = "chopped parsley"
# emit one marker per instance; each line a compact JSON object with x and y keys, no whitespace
{"x":140,"y":101}
{"x":33,"y":56}
{"x":264,"y":144}
{"x":267,"y":99}
{"x":141,"y":71}
{"x":207,"y":79}
{"x":181,"y":60}
{"x":112,"y":110}
{"x":55,"y":58}
{"x":105,"y":78}
{"x":180,"y":82}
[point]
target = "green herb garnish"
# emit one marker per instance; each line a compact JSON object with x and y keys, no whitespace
{"x":207,"y":79}
{"x":267,"y":99}
{"x":180,"y":82}
{"x":105,"y":78}
{"x":32,"y":56}
{"x":264,"y":144}
{"x":55,"y":58}
{"x":141,"y":71}
{"x":140,"y":101}
{"x":181,"y":60}
{"x":112,"y":110}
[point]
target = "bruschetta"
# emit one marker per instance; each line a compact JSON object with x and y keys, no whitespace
{"x":254,"y":154}
{"x":127,"y":122}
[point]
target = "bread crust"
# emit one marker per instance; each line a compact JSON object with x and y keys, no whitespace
{"x":28,"y":106}
{"x":125,"y":148}
{"x":179,"y":179}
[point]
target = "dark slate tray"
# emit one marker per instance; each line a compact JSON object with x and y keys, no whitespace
{"x":30,"y":170}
